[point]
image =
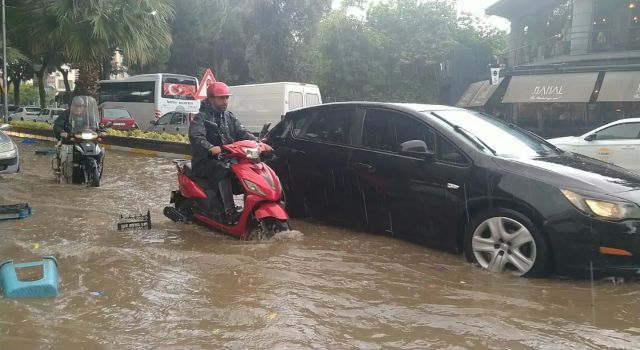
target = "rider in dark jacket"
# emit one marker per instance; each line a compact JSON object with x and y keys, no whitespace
{"x":80,"y":110}
{"x":213,"y":127}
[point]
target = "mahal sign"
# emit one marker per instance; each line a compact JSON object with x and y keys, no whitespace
{"x":547,"y":92}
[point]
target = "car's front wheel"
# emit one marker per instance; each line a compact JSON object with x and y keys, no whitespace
{"x":506,"y":241}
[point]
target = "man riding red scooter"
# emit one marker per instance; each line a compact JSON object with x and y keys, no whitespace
{"x":207,"y":183}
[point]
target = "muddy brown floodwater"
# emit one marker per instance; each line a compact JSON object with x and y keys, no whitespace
{"x":184,"y":287}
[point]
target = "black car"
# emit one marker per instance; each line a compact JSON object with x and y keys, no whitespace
{"x":460,"y":180}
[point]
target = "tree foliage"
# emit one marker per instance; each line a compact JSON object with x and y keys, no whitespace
{"x":392,"y":53}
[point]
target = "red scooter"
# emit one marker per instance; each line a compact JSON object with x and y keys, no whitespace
{"x":262,"y":213}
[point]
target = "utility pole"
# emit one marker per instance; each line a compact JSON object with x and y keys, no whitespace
{"x":5,"y":105}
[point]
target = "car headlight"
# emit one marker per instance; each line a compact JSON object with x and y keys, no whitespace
{"x":253,"y":187}
{"x":9,"y":154}
{"x":252,"y":152}
{"x":87,"y":135}
{"x":606,"y":209}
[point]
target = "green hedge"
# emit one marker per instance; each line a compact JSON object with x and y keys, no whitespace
{"x":31,"y":125}
{"x":149,"y":135}
{"x":111,"y":132}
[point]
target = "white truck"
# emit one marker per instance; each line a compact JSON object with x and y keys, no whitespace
{"x":257,"y":104}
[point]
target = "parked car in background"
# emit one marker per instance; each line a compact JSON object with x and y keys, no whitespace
{"x":48,"y":115}
{"x":460,"y":180}
{"x":617,"y":142}
{"x":172,"y":122}
{"x":25,"y":113}
{"x":119,"y":118}
{"x":9,"y":155}
{"x":11,"y":109}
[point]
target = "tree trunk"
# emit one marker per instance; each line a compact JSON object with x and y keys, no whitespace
{"x":41,"y":90}
{"x":106,"y":68}
{"x":16,"y":92}
{"x":67,"y":86}
{"x":87,"y":83}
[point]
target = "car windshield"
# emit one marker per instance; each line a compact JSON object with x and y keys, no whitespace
{"x":116,"y":113}
{"x":496,"y":136}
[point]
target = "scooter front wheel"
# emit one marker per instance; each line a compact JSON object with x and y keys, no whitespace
{"x":268,"y":227}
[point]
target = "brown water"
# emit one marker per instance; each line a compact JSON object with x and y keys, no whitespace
{"x":184,"y":287}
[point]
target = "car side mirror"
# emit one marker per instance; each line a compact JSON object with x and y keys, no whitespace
{"x":264,"y":131}
{"x":590,"y":137}
{"x":153,"y":122}
{"x":4,"y":126}
{"x":417,"y":149}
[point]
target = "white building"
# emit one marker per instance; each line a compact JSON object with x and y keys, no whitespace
{"x":56,"y":80}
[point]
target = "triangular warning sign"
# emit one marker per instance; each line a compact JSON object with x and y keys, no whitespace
{"x":206,"y":80}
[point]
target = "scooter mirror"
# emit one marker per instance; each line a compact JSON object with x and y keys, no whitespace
{"x":264,"y":131}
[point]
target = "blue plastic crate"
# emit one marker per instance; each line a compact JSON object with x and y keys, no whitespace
{"x":45,"y":287}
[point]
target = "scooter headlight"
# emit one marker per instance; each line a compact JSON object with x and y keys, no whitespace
{"x":252,"y":152}
{"x":88,"y":135}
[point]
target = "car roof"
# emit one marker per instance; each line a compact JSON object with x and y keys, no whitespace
{"x":415,"y":107}
{"x":625,"y":120}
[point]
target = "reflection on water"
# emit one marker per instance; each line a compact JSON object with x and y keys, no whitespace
{"x":184,"y":287}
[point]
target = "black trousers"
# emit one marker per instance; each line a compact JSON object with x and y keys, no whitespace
{"x":218,"y":175}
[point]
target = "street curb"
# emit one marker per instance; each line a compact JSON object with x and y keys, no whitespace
{"x":155,"y":148}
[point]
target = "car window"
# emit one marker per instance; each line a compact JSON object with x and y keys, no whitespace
{"x":295,"y":100}
{"x":32,"y":110}
{"x":298,"y":124}
{"x":626,"y":131}
{"x":312,"y":100}
{"x":57,"y":111}
{"x":165,"y":119}
{"x":447,"y":152}
{"x":116,"y":113}
{"x":178,"y":118}
{"x":332,"y":125}
{"x":386,"y":130}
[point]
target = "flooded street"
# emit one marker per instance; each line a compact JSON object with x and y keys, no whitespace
{"x":184,"y":287}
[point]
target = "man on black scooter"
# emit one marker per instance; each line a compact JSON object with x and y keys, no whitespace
{"x":213,"y":127}
{"x":81,"y":107}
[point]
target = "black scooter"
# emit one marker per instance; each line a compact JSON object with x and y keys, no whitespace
{"x":80,"y":159}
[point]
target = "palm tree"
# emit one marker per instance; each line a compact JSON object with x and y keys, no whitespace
{"x":87,"y":32}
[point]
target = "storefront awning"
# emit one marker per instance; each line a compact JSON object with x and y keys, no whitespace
{"x":484,"y":94}
{"x":469,"y":94}
{"x":576,"y":87}
{"x":620,"y":87}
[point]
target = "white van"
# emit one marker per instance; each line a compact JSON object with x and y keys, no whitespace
{"x":257,"y":104}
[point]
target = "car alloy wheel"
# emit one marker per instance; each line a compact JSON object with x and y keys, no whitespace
{"x":506,"y":242}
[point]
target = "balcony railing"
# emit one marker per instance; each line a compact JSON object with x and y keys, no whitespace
{"x":587,"y":42}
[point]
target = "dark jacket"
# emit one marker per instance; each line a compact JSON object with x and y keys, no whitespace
{"x":205,"y":133}
{"x":62,"y":124}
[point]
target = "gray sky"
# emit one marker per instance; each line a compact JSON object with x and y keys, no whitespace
{"x":476,"y":7}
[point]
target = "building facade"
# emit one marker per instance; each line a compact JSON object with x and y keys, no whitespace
{"x":572,"y":65}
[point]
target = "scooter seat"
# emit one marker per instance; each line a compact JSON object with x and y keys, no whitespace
{"x":188,"y":170}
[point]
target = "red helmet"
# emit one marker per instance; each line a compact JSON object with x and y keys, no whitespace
{"x":218,"y":89}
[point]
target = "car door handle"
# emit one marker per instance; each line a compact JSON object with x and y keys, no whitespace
{"x":628,"y":147}
{"x":368,"y":167}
